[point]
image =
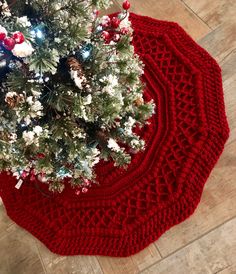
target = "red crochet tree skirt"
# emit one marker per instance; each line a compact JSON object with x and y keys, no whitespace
{"x":163,"y":185}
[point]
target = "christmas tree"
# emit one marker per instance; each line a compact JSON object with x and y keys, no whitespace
{"x":70,"y":90}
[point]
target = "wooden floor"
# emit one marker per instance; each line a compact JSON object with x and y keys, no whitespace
{"x":206,"y":242}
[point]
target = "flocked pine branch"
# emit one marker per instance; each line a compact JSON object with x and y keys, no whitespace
{"x":70,"y":89}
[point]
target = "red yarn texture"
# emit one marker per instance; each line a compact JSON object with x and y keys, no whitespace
{"x":163,"y":185}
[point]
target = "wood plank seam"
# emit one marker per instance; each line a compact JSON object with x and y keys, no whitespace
{"x":189,"y":243}
{"x":231,"y":52}
{"x":201,"y":236}
{"x":158,"y":251}
{"x":189,"y":8}
{"x":41,"y":259}
{"x":220,"y":271}
{"x":100,"y":265}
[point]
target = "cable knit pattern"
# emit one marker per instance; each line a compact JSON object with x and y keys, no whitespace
{"x":163,"y":185}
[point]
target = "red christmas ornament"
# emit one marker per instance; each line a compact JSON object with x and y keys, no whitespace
{"x":9,"y":43}
{"x":106,"y":35}
{"x":18,"y":37}
{"x":126,"y":5}
{"x":115,"y":22}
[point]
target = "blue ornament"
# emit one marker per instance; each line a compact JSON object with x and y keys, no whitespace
{"x":99,"y":29}
{"x":120,"y":131}
{"x":85,"y":53}
{"x":23,"y":126}
{"x":4,"y":61}
{"x":63,"y":173}
{"x":12,"y":65}
{"x":93,"y":144}
{"x":38,"y":34}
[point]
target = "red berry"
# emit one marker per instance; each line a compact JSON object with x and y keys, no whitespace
{"x":2,"y":36}
{"x":40,"y":155}
{"x":32,"y":175}
{"x":105,"y":35}
{"x":126,"y":5}
{"x":18,"y":37}
{"x":115,"y":22}
{"x":3,"y":33}
{"x":116,"y":37}
{"x":86,"y":182}
{"x":9,"y":43}
{"x":24,"y":174}
{"x":32,"y":172}
{"x":124,"y":30}
{"x":77,"y":192}
{"x":32,"y":178}
{"x":105,"y":21}
{"x":84,"y":189}
{"x":96,"y":12}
